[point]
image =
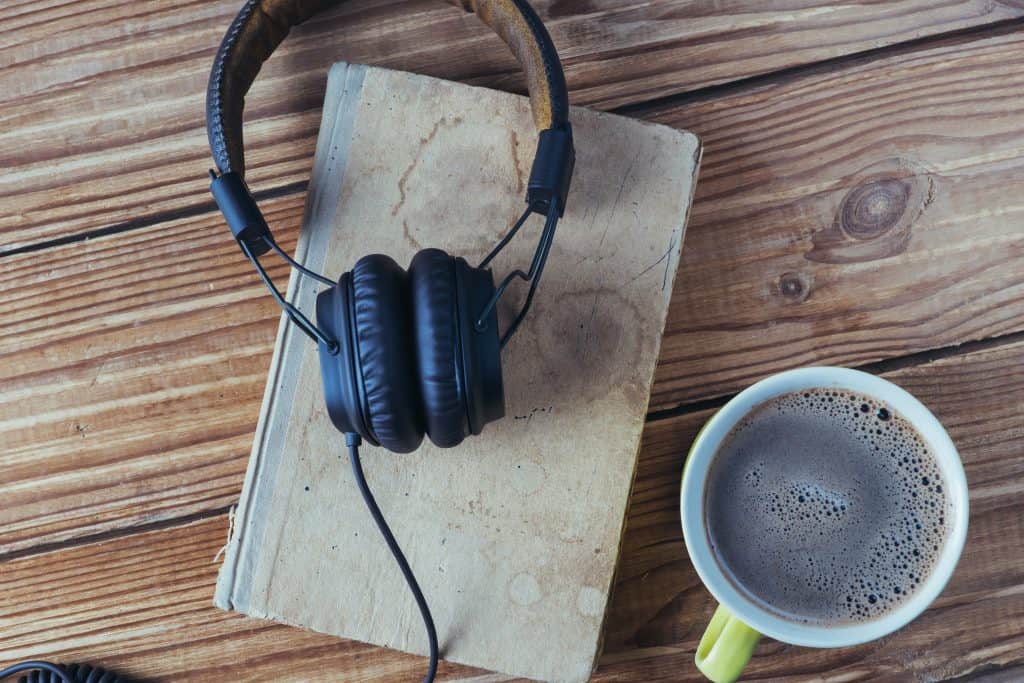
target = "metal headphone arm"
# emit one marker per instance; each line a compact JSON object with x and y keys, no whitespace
{"x":550,"y":177}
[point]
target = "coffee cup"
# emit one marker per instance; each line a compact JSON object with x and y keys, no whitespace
{"x":740,"y":620}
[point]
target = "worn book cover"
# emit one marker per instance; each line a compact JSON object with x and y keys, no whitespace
{"x":513,"y":535}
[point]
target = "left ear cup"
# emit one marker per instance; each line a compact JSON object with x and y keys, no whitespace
{"x":386,"y":360}
{"x":338,"y":366}
{"x":434,"y":299}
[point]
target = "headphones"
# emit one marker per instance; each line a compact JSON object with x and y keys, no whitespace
{"x":403,"y":353}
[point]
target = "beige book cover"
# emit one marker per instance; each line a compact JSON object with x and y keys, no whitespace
{"x":513,"y":535}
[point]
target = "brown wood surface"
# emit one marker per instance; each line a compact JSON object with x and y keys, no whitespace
{"x":155,"y":619}
{"x":133,"y":364}
{"x":132,"y":370}
{"x":848,"y":215}
{"x":101,"y":101}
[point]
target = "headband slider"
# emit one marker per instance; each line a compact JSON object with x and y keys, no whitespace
{"x":237,"y":204}
{"x":552,"y":170}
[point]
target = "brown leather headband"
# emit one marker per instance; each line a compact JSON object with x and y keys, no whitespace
{"x":261,"y":25}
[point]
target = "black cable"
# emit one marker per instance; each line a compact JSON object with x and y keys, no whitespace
{"x":293,"y":313}
{"x":53,"y":669}
{"x":353,"y":441}
{"x":540,"y":257}
{"x":269,"y":241}
{"x":47,"y":672}
{"x":536,"y":270}
{"x":508,"y":237}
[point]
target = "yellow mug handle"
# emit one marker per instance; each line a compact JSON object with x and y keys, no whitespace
{"x":726,"y":647}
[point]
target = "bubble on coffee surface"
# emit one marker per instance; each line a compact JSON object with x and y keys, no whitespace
{"x":826,"y":506}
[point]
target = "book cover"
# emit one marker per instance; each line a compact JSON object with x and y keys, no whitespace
{"x":514,"y":534}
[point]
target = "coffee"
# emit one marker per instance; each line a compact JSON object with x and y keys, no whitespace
{"x":826,"y":507}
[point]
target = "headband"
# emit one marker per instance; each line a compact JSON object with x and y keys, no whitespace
{"x":261,"y":25}
{"x":257,"y":30}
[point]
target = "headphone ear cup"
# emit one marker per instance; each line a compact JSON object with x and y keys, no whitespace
{"x":480,"y":348}
{"x":385,"y":362}
{"x":435,"y":317}
{"x":338,"y":366}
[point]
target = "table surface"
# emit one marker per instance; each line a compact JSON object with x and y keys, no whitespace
{"x":857,"y":206}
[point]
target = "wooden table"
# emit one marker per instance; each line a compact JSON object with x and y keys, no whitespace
{"x":859,"y":204}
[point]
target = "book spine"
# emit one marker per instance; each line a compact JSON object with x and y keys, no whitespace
{"x":242,"y":553}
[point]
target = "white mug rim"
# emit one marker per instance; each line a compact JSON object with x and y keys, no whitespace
{"x":759,"y":618}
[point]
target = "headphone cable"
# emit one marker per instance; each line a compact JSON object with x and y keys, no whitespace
{"x":57,"y":673}
{"x":353,"y":441}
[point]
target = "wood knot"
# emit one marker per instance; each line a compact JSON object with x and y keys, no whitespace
{"x":794,"y":287}
{"x":875,"y":217}
{"x":873,"y":208}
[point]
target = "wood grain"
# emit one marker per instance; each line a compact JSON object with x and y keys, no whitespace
{"x":156,"y":620}
{"x":846,"y":216}
{"x":101,"y":101}
{"x":133,"y":365}
{"x":132,"y":369}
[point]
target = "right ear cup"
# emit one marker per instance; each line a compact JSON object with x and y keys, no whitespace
{"x":433,"y":291}
{"x":459,"y":365}
{"x":480,"y":347}
{"x":385,"y":358}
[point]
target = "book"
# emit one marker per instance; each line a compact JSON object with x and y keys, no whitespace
{"x":514,"y":534}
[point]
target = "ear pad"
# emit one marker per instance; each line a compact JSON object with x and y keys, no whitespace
{"x":386,"y":361}
{"x":459,"y":366}
{"x":435,"y":321}
{"x":338,"y":366}
{"x":480,"y":348}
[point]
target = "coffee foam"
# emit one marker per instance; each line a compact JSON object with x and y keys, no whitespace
{"x":826,"y":507}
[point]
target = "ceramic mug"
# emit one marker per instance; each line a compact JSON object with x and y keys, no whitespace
{"x":738,"y":622}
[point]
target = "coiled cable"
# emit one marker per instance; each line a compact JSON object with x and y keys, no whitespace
{"x":47,"y":672}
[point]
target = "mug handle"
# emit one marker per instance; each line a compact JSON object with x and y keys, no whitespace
{"x":726,"y":647}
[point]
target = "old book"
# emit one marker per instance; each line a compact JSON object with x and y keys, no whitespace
{"x":514,"y":534}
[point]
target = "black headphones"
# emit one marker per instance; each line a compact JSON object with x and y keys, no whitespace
{"x":403,"y":353}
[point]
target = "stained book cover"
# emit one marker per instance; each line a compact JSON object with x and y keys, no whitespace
{"x":514,"y":534}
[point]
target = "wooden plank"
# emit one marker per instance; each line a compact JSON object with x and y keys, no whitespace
{"x":848,"y":216}
{"x":101,"y":101}
{"x":131,"y":373}
{"x":155,"y":619}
